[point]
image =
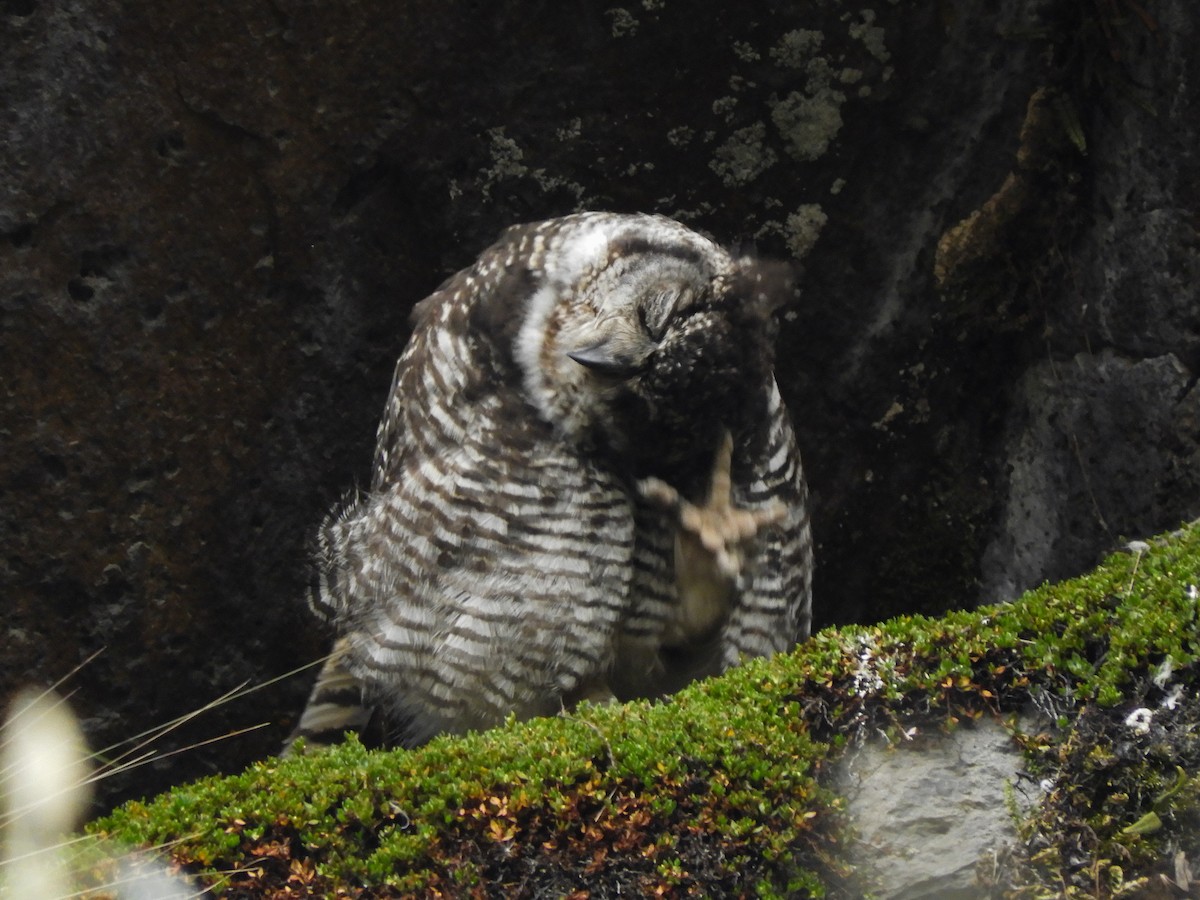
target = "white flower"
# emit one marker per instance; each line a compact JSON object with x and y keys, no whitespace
{"x":1139,"y":720}
{"x":1163,"y":675}
{"x":1172,"y":699}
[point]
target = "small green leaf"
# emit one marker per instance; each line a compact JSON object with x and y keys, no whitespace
{"x":1147,"y":824}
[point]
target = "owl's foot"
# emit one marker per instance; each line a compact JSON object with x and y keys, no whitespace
{"x":717,"y":529}
{"x":711,"y":546}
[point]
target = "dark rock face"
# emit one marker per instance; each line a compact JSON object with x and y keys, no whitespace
{"x":213,"y":224}
{"x":1102,"y":440}
{"x":1099,"y":446}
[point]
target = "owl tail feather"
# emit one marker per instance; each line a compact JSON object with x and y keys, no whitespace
{"x":334,"y":707}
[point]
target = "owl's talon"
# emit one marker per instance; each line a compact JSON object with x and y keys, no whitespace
{"x":718,"y":528}
{"x":659,"y":493}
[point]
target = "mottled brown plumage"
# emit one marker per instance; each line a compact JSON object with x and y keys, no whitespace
{"x":539,"y":526}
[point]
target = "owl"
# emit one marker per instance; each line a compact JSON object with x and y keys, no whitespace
{"x":585,"y":486}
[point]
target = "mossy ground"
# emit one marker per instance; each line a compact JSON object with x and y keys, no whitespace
{"x":718,"y":792}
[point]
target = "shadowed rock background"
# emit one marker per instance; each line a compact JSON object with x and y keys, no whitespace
{"x":214,"y":221}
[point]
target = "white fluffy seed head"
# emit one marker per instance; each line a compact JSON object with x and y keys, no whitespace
{"x":44,"y":792}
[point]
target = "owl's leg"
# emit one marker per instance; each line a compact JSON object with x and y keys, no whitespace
{"x":711,"y":546}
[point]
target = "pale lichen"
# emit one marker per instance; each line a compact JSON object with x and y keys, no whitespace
{"x":724,"y":106}
{"x":508,"y":162}
{"x":624,"y":23}
{"x":743,"y":156}
{"x":571,"y":130}
{"x":796,"y":48}
{"x":745,"y":51}
{"x":680,"y":136}
{"x":803,"y":228}
{"x":871,"y":35}
{"x":799,"y":232}
{"x":808,"y":123}
{"x":506,"y":157}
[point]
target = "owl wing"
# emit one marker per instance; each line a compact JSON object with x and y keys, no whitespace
{"x":774,"y":606}
{"x":486,"y":571}
{"x":503,"y":589}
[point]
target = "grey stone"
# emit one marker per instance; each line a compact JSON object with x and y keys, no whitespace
{"x":930,"y":811}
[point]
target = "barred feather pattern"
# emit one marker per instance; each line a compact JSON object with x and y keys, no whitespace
{"x":502,"y":560}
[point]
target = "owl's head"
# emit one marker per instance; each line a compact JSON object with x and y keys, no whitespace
{"x":647,"y":336}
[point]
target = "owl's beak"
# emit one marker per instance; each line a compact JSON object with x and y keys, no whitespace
{"x":618,"y":355}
